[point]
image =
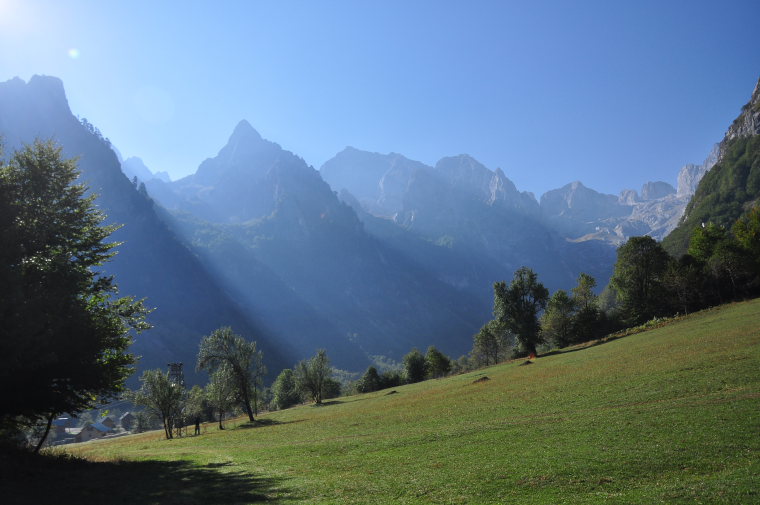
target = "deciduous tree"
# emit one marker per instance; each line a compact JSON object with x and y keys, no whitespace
{"x":517,"y":307}
{"x":64,"y":335}
{"x":244,"y":361}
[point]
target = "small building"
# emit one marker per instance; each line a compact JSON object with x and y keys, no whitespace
{"x":107,"y":421}
{"x":92,"y":431}
{"x":61,"y":424}
{"x":127,"y":421}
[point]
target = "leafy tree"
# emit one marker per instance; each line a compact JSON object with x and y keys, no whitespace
{"x":221,"y":390}
{"x":197,"y":403}
{"x":65,"y":335}
{"x":161,"y":397}
{"x":414,"y":366}
{"x":369,"y":382}
{"x":437,"y":364}
{"x":285,"y":391}
{"x":684,"y":280}
{"x":490,"y":343}
{"x":747,"y":232}
{"x":244,"y":362}
{"x":311,"y":376}
{"x":638,"y":279}
{"x":585,"y":324}
{"x":390,"y":379}
{"x":332,"y":388}
{"x":518,"y":306}
{"x":557,"y":321}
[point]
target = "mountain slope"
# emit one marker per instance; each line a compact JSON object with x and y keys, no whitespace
{"x":663,"y":416}
{"x":288,"y":239}
{"x":151,"y":262}
{"x":732,"y":186}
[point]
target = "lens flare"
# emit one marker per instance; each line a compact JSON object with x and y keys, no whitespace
{"x":73,"y":53}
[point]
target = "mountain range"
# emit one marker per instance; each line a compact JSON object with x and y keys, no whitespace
{"x":368,"y":257}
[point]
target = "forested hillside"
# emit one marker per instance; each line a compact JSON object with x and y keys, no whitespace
{"x":732,"y":186}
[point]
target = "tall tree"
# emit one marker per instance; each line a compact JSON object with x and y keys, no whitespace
{"x":491,"y":343}
{"x":585,"y":323}
{"x":518,"y":306}
{"x":557,"y":321}
{"x":244,"y":361}
{"x":65,"y":334}
{"x":638,"y":279}
{"x":312,"y":376}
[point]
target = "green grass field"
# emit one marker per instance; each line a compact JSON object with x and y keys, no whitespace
{"x":671,"y":415}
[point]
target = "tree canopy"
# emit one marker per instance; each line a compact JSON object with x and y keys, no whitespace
{"x":65,"y":334}
{"x":517,"y":307}
{"x":245,"y":363}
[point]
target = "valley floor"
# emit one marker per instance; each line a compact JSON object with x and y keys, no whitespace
{"x":670,"y":415}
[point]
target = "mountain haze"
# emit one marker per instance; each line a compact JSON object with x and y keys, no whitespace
{"x":151,"y":262}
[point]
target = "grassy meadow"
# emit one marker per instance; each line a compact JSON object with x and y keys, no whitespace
{"x":670,"y":415}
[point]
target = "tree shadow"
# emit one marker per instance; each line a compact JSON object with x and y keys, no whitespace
{"x":260,"y":423}
{"x":580,"y":347}
{"x":62,"y":479}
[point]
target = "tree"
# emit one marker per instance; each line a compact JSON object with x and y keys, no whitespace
{"x":285,"y":392}
{"x":437,"y":364}
{"x":490,"y":343}
{"x":585,"y":323}
{"x":65,"y":335}
{"x":638,"y":279}
{"x":518,"y":306}
{"x":245,"y":363}
{"x":369,"y":382}
{"x":414,"y":366}
{"x":161,"y":397}
{"x":311,"y":376}
{"x":557,"y":321}
{"x":221,"y":391}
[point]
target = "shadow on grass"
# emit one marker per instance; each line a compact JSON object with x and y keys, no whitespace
{"x":260,"y":423}
{"x":580,"y":347}
{"x":61,"y":479}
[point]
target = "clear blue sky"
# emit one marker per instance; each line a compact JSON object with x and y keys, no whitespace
{"x":612,"y":93}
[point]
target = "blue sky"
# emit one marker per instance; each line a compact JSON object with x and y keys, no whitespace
{"x":610,"y":93}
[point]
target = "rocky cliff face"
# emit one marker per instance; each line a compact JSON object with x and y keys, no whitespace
{"x":748,"y":122}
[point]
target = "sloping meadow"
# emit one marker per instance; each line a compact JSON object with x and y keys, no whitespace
{"x":670,"y":415}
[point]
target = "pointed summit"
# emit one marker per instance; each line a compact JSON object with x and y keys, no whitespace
{"x":245,"y":132}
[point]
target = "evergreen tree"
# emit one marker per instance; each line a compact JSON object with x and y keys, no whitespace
{"x":369,"y":382}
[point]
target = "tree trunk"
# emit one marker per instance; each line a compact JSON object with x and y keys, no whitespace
{"x":45,"y":435}
{"x":221,"y":413}
{"x":247,"y":403}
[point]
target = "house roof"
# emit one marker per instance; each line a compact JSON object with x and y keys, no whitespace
{"x":101,"y":427}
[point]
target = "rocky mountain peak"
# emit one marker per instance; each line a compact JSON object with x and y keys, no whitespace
{"x":244,"y":132}
{"x":748,"y":122}
{"x":653,"y":190}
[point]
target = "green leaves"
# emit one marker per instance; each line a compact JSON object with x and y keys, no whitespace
{"x":65,"y":335}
